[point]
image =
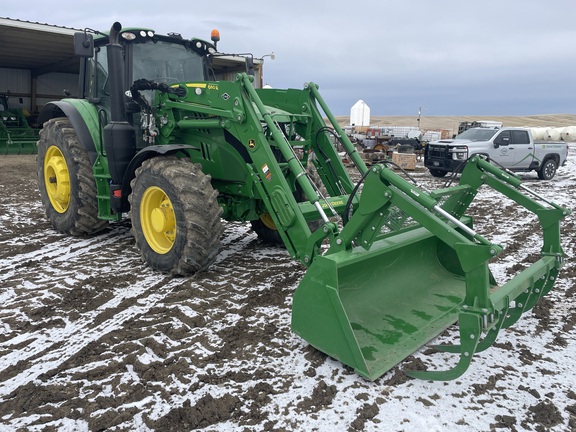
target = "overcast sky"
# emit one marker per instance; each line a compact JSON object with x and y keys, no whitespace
{"x":450,"y":57}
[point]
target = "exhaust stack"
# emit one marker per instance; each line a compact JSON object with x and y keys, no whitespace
{"x":116,"y":74}
{"x":119,"y":135}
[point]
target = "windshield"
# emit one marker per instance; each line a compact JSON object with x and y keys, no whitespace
{"x":166,"y":63}
{"x":477,"y":134}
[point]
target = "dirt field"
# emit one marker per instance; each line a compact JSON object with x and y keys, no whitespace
{"x":92,"y":340}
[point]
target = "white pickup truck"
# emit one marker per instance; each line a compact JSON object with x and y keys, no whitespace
{"x":512,"y":148}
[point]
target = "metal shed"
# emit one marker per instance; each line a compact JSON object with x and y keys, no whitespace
{"x":37,"y":63}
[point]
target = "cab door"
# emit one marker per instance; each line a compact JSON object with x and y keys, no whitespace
{"x":503,"y":151}
{"x":522,"y":148}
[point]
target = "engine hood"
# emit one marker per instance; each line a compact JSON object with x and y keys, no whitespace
{"x":453,"y":142}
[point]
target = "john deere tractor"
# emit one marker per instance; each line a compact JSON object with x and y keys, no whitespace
{"x":155,"y":137}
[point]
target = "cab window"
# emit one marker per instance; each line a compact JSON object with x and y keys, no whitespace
{"x":520,"y":137}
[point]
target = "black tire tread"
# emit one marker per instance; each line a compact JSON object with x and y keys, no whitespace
{"x":198,"y":199}
{"x":542,"y":175}
{"x":81,"y":218}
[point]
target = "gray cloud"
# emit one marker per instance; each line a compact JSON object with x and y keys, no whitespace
{"x":512,"y":57}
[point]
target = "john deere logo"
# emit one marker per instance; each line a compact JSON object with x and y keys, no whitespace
{"x":251,"y":143}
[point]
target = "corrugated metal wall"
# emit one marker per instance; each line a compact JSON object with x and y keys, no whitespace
{"x":54,"y":83}
{"x":14,"y":80}
{"x":49,"y":87}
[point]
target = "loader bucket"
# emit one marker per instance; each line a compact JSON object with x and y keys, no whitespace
{"x":420,"y":268}
{"x":372,"y":309}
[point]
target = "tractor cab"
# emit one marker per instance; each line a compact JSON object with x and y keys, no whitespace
{"x":145,"y":55}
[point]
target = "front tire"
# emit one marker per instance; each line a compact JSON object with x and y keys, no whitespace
{"x":66,"y":181}
{"x":548,"y":169}
{"x":175,"y":216}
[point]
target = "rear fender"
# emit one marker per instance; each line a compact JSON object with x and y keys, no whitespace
{"x":554,"y":156}
{"x":84,"y":118}
{"x":538,"y":163}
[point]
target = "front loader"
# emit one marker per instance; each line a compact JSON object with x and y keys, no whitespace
{"x":154,"y":136}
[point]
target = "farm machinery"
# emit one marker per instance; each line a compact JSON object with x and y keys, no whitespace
{"x":16,"y":135}
{"x":152,"y":136}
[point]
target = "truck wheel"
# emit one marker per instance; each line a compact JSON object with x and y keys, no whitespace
{"x":65,"y":179}
{"x":548,"y":169}
{"x":175,"y":216}
{"x":437,"y":173}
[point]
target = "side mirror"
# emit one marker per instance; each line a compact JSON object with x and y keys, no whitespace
{"x":250,"y":66}
{"x":83,"y":44}
{"x":501,"y":140}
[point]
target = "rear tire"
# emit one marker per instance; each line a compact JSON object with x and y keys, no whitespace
{"x":437,"y":173}
{"x":175,"y":216}
{"x":66,"y":181}
{"x":548,"y":169}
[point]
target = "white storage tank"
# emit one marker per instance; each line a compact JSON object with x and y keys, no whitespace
{"x":360,"y":114}
{"x":552,"y":134}
{"x":537,"y":133}
{"x":569,"y":134}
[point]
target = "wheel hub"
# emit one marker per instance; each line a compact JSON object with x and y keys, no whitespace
{"x":158,"y":220}
{"x":57,"y":179}
{"x":268,"y":221}
{"x":162,"y":219}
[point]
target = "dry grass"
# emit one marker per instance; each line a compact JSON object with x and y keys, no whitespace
{"x":451,"y":122}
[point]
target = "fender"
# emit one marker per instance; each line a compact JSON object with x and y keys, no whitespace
{"x":552,"y":156}
{"x":537,"y":163}
{"x":83,"y":117}
{"x":138,"y":159}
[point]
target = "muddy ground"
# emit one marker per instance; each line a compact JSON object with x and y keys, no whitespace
{"x":91,"y":339}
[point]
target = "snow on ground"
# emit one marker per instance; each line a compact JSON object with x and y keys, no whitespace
{"x":91,"y":339}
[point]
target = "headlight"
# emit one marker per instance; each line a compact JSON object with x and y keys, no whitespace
{"x":459,"y":153}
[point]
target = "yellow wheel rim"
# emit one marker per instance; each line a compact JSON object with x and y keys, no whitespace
{"x":158,"y":220}
{"x":57,"y":179}
{"x":268,"y":221}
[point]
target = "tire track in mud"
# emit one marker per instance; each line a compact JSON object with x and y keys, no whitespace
{"x":48,"y":351}
{"x":127,"y":349}
{"x":28,"y":356}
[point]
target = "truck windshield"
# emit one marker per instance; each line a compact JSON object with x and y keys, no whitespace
{"x":477,"y":134}
{"x":166,"y":62}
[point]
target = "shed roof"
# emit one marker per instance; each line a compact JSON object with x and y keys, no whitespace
{"x":40,"y":48}
{"x":44,"y":48}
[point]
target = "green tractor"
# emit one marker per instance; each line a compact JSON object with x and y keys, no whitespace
{"x":154,"y":136}
{"x":16,"y":135}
